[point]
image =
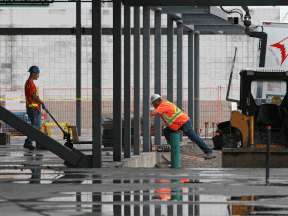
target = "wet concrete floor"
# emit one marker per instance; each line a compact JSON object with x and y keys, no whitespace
{"x":37,"y":183}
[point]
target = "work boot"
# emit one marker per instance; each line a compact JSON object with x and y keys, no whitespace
{"x":29,"y":147}
{"x":210,"y":155}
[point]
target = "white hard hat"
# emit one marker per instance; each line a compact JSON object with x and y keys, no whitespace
{"x":154,"y":97}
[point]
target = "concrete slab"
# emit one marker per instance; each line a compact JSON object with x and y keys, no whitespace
{"x":37,"y":183}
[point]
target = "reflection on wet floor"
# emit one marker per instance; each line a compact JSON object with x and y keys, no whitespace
{"x":37,"y":183}
{"x":49,"y":191}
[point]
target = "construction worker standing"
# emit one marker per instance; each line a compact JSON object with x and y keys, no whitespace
{"x":176,"y":120}
{"x":33,"y":105}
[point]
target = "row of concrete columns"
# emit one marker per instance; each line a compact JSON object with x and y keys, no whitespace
{"x":193,"y":69}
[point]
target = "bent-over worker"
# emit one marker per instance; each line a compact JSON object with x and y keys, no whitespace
{"x":33,"y":105}
{"x":176,"y":120}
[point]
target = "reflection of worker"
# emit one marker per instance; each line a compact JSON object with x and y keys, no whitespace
{"x":33,"y":105}
{"x":176,"y":120}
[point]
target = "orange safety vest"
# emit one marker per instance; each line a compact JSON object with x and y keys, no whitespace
{"x":177,"y":119}
{"x":30,"y":88}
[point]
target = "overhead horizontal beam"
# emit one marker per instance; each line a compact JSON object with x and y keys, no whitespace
{"x":38,"y":31}
{"x":70,"y":31}
{"x":205,"y":3}
{"x":204,"y":20}
{"x":196,"y":10}
{"x":230,"y":29}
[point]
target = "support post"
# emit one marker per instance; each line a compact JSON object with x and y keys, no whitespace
{"x":127,"y":82}
{"x":175,"y":150}
{"x":146,"y":79}
{"x":157,"y":124}
{"x":196,"y":82}
{"x":190,"y":75}
{"x":136,"y":80}
{"x":96,"y":85}
{"x":268,"y":154}
{"x":78,"y":67}
{"x":117,"y":115}
{"x":170,"y":33}
{"x":179,"y":67}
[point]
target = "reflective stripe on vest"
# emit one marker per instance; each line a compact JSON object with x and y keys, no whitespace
{"x":170,"y":120}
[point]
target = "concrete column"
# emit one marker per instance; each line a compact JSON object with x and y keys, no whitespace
{"x":117,"y":116}
{"x":158,"y":121}
{"x":196,"y":82}
{"x":78,"y":67}
{"x":136,"y":80}
{"x":170,"y":33}
{"x":127,"y":82}
{"x":146,"y":79}
{"x":190,"y":75}
{"x":96,"y":85}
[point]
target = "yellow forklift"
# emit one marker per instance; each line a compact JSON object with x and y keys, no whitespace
{"x":263,"y":102}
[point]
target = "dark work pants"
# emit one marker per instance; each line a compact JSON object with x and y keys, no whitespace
{"x":35,"y":118}
{"x":188,"y":130}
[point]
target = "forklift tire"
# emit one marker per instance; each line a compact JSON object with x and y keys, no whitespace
{"x":69,"y":145}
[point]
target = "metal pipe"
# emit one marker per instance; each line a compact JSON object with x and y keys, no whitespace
{"x":96,"y":85}
{"x":170,"y":33}
{"x":251,"y":124}
{"x":175,"y":150}
{"x":136,"y":80}
{"x":196,"y":81}
{"x":190,"y":75}
{"x":78,"y":67}
{"x":268,"y":154}
{"x":157,"y":124}
{"x":146,"y":79}
{"x":117,"y":116}
{"x":127,"y":82}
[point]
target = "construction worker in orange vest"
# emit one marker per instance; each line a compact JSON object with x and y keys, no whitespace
{"x":33,"y":105}
{"x":176,"y":120}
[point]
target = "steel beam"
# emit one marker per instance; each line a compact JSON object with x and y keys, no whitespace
{"x":146,"y":79}
{"x":205,"y":3}
{"x":78,"y":67}
{"x":72,"y":157}
{"x":127,"y":82}
{"x":157,"y":83}
{"x":96,"y":85}
{"x":196,"y":81}
{"x":190,"y":75}
{"x":38,"y":31}
{"x":170,"y":34}
{"x":179,"y":68}
{"x":224,"y":28}
{"x":117,"y":116}
{"x":179,"y":64}
{"x":136,"y":80}
{"x":217,"y":12}
{"x":109,"y":31}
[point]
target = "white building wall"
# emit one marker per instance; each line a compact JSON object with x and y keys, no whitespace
{"x":56,"y":55}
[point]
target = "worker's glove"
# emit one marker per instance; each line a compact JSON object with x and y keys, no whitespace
{"x":44,"y":107}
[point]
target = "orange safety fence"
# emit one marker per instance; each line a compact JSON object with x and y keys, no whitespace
{"x":61,"y":102}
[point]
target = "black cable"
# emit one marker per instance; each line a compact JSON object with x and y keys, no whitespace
{"x":235,"y":10}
